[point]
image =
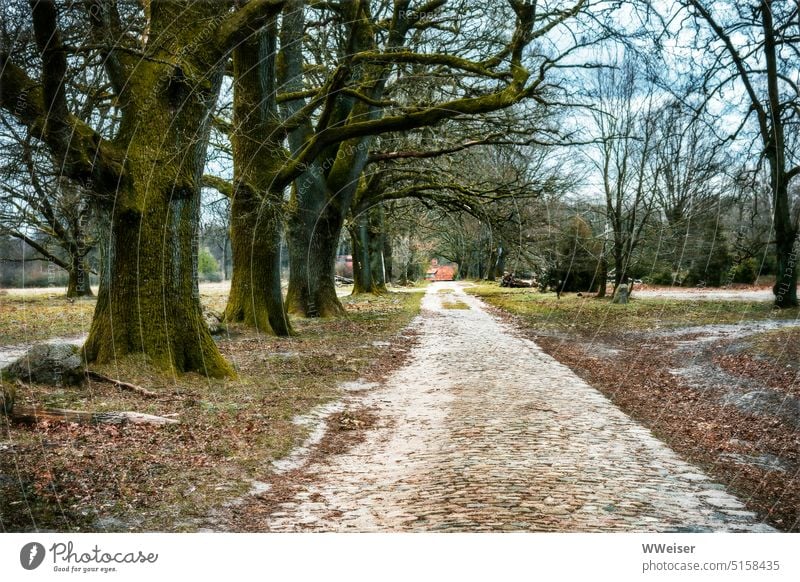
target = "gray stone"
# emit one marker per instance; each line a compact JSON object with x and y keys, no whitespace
{"x":55,"y":364}
{"x":621,"y":296}
{"x":214,"y":322}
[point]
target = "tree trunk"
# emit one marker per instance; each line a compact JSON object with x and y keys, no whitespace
{"x":255,"y":298}
{"x":362,"y":265}
{"x":313,"y":241}
{"x":388,"y":257}
{"x":786,"y":248}
{"x":79,"y":284}
{"x":151,"y":303}
{"x":603,"y":275}
{"x":491,"y":267}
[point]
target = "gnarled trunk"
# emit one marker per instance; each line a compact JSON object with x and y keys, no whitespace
{"x":151,"y":302}
{"x":313,"y":241}
{"x":369,"y":269}
{"x":255,"y":297}
{"x":79,"y":284}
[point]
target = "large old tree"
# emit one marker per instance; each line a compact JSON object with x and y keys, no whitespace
{"x":164,"y":64}
{"x":366,"y":95}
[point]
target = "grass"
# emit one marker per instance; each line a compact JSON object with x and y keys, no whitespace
{"x":546,"y":312}
{"x":454,"y":304}
{"x":67,"y":477}
{"x":28,"y":318}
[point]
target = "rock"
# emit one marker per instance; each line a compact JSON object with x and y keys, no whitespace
{"x":55,"y":364}
{"x":621,"y":296}
{"x":214,"y":322}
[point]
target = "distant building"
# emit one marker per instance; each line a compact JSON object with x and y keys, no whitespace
{"x":344,"y":266}
{"x":437,"y":272}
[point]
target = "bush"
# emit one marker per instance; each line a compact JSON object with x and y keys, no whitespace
{"x":663,"y":277}
{"x":207,"y":266}
{"x":746,"y":271}
{"x":214,"y":277}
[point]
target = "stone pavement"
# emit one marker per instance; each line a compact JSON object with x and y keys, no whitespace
{"x":482,"y":431}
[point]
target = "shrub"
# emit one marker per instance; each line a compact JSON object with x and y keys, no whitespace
{"x":746,"y":271}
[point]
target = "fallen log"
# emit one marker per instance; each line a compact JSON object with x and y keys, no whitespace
{"x":34,"y":415}
{"x":119,"y":383}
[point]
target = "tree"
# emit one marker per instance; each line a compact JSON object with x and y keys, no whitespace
{"x":46,"y":211}
{"x":257,"y":197}
{"x":751,"y":49}
{"x":163,"y":64}
{"x":625,"y":133}
{"x":488,"y":74}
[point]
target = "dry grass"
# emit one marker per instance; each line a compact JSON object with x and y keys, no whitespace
{"x":144,"y":478}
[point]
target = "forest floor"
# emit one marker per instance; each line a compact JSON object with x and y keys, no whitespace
{"x":69,"y":477}
{"x":717,"y":380}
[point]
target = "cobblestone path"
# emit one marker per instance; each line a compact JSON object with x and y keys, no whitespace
{"x":482,"y":431}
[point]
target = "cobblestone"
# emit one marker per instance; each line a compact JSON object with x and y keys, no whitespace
{"x":482,"y":431}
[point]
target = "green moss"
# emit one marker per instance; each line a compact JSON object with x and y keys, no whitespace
{"x":454,"y":305}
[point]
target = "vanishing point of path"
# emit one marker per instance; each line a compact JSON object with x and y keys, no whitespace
{"x":482,"y":431}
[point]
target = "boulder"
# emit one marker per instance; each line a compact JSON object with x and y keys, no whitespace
{"x":214,"y":322}
{"x":54,"y":364}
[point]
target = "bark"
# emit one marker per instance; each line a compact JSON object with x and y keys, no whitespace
{"x":255,"y":298}
{"x":362,"y":280}
{"x":149,"y":302}
{"x":79,"y":283}
{"x":603,"y":276}
{"x":786,"y":249}
{"x":369,"y":269}
{"x":313,"y":240}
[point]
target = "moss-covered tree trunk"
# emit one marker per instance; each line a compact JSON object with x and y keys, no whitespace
{"x":362,"y":279}
{"x":151,"y":303}
{"x":369,"y":266}
{"x":165,"y":77}
{"x":255,"y":297}
{"x":79,"y":284}
{"x":313,"y":241}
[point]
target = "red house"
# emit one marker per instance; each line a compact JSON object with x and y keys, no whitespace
{"x":438,"y":272}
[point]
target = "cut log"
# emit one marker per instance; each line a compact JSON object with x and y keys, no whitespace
{"x":124,"y":385}
{"x":33,"y":415}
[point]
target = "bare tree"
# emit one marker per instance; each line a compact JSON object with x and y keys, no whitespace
{"x":625,"y":132}
{"x":751,"y":50}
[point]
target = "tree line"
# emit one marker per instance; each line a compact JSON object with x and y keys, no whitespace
{"x":409,"y":129}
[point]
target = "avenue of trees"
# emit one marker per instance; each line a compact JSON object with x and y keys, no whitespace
{"x":146,"y":144}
